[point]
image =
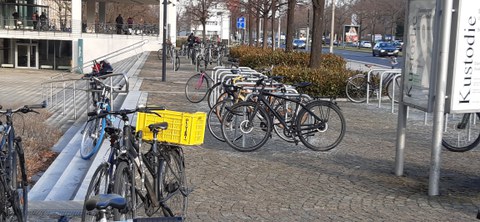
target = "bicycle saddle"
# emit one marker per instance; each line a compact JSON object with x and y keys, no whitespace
{"x":157,"y":126}
{"x":102,"y":201}
{"x":302,"y":84}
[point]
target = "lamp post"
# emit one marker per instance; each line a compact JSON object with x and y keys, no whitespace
{"x":332,"y":27}
{"x":164,"y":49}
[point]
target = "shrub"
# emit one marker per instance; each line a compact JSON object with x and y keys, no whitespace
{"x":329,"y":80}
{"x":37,"y":138}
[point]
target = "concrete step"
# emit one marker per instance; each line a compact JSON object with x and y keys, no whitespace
{"x":69,"y":175}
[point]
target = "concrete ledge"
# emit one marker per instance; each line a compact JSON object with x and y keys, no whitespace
{"x":46,"y":67}
{"x":64,"y":67}
{"x":7,"y":65}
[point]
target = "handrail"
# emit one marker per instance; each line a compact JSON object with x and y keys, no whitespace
{"x":106,"y":56}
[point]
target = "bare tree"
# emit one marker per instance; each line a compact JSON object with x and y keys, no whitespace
{"x":290,"y":23}
{"x":200,"y":11}
{"x":317,"y":31}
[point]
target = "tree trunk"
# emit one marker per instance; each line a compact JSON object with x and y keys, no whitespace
{"x":250,"y":23}
{"x":257,"y":44}
{"x":203,"y":31}
{"x":317,"y":30}
{"x":265,"y":33}
{"x":274,"y":9}
{"x":290,"y":27}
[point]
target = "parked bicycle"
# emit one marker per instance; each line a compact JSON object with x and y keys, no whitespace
{"x":356,"y":88}
{"x":246,"y":126}
{"x":159,"y":173}
{"x":13,"y":173}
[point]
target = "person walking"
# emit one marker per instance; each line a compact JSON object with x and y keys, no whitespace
{"x":15,"y":19}
{"x":130,"y":25}
{"x":35,"y":19}
{"x":119,"y":21}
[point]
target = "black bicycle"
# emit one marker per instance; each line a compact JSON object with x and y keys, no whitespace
{"x":318,"y":124}
{"x":159,"y":172}
{"x":13,"y":173}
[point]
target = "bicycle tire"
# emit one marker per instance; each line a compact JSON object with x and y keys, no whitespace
{"x":210,"y":95}
{"x":124,"y":185}
{"x":92,"y":138}
{"x":174,"y":183}
{"x":214,"y":118}
{"x":397,"y":81}
{"x":17,"y":186}
{"x":356,"y":88}
{"x":177,"y":63}
{"x":252,"y":134}
{"x":196,"y":88}
{"x":99,"y":184}
{"x":462,"y":132}
{"x":327,"y":130}
{"x":21,"y":181}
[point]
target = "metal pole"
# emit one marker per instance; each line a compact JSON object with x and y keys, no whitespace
{"x":308,"y":30}
{"x":439,"y":108}
{"x":332,"y":27}
{"x":279,"y":34}
{"x":164,"y":49}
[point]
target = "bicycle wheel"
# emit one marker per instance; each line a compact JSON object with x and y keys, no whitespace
{"x":462,"y":132}
{"x":15,"y":207}
{"x":214,"y":118}
{"x":356,"y":88}
{"x":214,"y":91}
{"x":177,"y":63}
{"x":246,"y":126}
{"x":92,"y":138}
{"x":124,"y":186}
{"x":98,"y":185}
{"x":321,"y":125}
{"x":174,"y":183}
{"x":196,"y":88}
{"x":395,"y":82}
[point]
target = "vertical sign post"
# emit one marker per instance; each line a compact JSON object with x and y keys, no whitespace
{"x":80,"y":56}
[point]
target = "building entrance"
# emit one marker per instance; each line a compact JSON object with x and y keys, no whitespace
{"x":26,"y":55}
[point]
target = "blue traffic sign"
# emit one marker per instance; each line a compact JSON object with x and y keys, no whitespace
{"x":241,"y":23}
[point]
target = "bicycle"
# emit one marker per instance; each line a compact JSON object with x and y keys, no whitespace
{"x":160,"y":170}
{"x":246,"y":126}
{"x":198,"y":86}
{"x":462,"y":132}
{"x":356,"y":87}
{"x":93,"y":132}
{"x":13,"y":173}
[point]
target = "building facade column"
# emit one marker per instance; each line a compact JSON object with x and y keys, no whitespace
{"x":101,"y":12}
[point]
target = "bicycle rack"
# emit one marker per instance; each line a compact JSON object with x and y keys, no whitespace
{"x":382,"y":75}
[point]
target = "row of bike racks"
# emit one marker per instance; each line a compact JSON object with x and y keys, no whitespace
{"x":51,"y":95}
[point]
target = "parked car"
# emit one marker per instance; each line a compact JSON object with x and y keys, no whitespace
{"x":398,"y":44}
{"x":385,"y":49}
{"x":299,"y":44}
{"x":365,"y":44}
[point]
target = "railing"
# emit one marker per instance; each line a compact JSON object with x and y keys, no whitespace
{"x":62,"y":89}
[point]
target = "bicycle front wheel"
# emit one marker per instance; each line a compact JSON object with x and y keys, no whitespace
{"x":462,"y":132}
{"x":246,"y":126}
{"x":92,"y":138}
{"x":177,"y":63}
{"x":356,"y":88}
{"x":321,"y":125}
{"x":196,"y":88}
{"x":174,"y":190}
{"x":394,"y":89}
{"x":98,"y":185}
{"x":124,"y":186}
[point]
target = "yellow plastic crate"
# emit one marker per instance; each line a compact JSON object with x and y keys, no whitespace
{"x":183,"y":128}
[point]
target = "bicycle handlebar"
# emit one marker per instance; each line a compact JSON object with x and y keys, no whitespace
{"x":124,"y":112}
{"x":25,"y":108}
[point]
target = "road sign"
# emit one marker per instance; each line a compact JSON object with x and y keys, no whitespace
{"x":241,"y":23}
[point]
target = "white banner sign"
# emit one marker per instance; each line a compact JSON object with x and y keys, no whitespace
{"x":465,"y":91}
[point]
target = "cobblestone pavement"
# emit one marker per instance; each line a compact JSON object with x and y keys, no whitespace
{"x":353,"y":182}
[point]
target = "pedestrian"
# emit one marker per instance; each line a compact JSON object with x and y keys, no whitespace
{"x":43,"y":21}
{"x":15,"y":19}
{"x":119,"y":21}
{"x":393,"y":61}
{"x":130,"y":25}
{"x":35,"y":19}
